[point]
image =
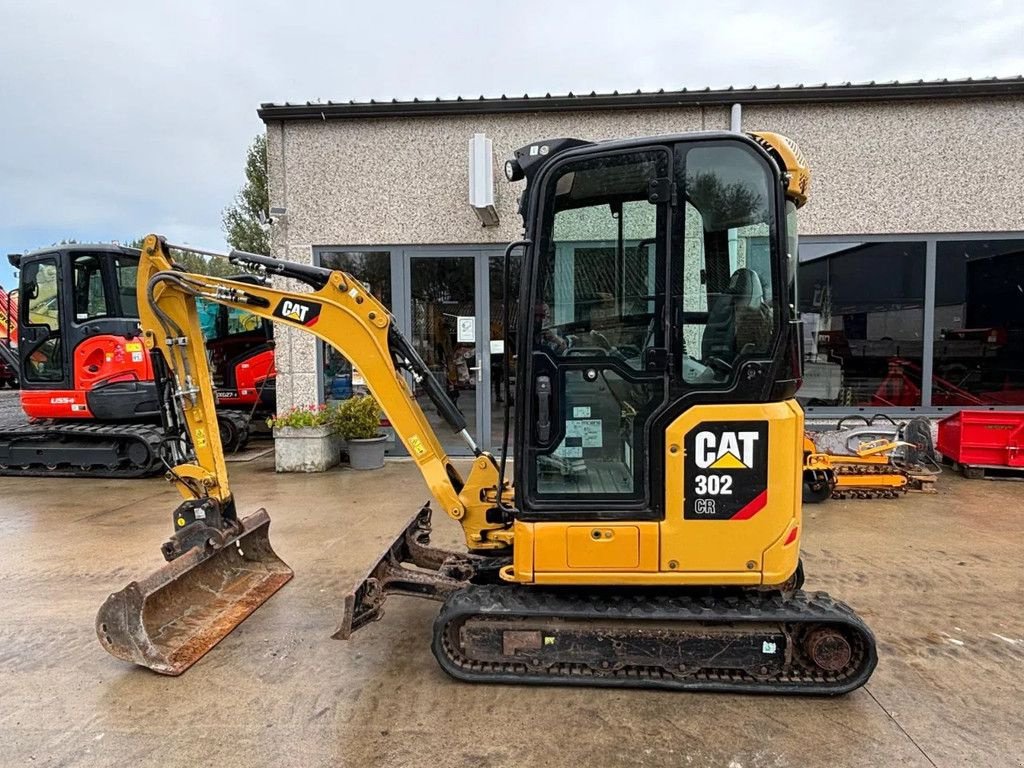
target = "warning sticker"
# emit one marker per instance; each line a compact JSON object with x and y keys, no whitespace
{"x":417,"y":445}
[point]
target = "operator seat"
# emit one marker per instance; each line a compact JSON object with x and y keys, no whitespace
{"x":739,"y":320}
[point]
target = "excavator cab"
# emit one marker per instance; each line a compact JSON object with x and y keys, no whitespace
{"x":660,"y":283}
{"x":80,"y":354}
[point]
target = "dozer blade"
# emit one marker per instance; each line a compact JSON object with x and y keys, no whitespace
{"x":170,"y":619}
{"x":435,"y":574}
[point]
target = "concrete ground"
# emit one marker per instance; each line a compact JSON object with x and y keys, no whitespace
{"x":938,"y":578}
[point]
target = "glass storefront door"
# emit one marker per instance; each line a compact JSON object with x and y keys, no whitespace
{"x":500,"y":337}
{"x":444,"y":328}
{"x":448,"y":303}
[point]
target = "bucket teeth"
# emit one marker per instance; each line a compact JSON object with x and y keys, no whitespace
{"x":171,"y":618}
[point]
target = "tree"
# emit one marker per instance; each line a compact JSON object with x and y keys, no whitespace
{"x":243,"y":219}
{"x":199,"y":264}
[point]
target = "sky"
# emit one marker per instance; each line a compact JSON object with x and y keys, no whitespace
{"x":122,"y":118}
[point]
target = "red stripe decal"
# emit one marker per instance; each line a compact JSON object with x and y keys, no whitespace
{"x":312,"y":322}
{"x":759,"y":503}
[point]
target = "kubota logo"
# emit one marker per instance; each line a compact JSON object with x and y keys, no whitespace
{"x":298,"y":311}
{"x":730,"y":450}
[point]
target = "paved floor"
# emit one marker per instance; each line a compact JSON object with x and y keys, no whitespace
{"x":938,"y":578}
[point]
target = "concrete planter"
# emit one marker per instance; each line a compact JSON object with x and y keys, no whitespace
{"x":366,"y":453}
{"x":305,"y":449}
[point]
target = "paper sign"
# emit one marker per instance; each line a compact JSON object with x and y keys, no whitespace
{"x":569,"y":452}
{"x":497,"y":346}
{"x":581,"y":412}
{"x":466,"y":329}
{"x":588,"y":430}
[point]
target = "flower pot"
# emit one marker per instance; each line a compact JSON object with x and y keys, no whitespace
{"x":366,"y":453}
{"x":305,"y":449}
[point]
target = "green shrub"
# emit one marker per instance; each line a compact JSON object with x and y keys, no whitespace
{"x":304,"y":416}
{"x":357,"y":418}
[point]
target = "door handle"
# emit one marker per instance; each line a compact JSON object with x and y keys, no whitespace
{"x":543,"y":409}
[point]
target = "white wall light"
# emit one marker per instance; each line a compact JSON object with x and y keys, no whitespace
{"x":481,"y":179}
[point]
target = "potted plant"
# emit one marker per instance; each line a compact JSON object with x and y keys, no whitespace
{"x":305,"y":439}
{"x":358,"y":421}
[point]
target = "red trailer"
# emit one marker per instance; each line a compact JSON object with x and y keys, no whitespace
{"x":980,"y":440}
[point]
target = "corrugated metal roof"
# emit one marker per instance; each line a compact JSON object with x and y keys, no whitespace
{"x":822,"y":92}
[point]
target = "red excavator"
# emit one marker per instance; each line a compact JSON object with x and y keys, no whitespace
{"x":87,"y":383}
{"x":8,"y":338}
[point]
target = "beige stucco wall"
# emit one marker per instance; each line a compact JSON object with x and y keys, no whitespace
{"x":878,"y":167}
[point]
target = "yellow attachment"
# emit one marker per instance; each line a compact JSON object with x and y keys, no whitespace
{"x":887,"y":480}
{"x":791,"y":162}
{"x":878,"y":447}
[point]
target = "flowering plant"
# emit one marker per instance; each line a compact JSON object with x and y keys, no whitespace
{"x":302,"y":416}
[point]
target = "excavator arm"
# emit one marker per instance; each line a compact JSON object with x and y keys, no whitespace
{"x":213,"y":553}
{"x":340,"y":311}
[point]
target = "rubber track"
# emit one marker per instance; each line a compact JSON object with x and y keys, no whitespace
{"x":150,"y":435}
{"x":797,"y":608}
{"x":867,"y":491}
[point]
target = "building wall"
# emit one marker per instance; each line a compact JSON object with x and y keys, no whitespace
{"x":878,"y":167}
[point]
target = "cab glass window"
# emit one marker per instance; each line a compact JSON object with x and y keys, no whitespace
{"x":42,"y":294}
{"x":90,"y":296}
{"x":41,"y":289}
{"x":240,"y":321}
{"x":126,"y":270}
{"x":729,"y":308}
{"x":599,"y":282}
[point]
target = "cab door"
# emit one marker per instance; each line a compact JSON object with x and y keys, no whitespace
{"x":41,"y":348}
{"x":595,"y":349}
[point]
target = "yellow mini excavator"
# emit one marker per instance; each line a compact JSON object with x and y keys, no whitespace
{"x":653,"y":535}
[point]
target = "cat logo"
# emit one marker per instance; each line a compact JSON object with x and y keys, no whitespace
{"x":729,"y":450}
{"x":725,"y":470}
{"x":301,"y":312}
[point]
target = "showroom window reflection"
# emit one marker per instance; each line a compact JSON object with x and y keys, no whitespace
{"x":373,"y":270}
{"x":862,"y":305}
{"x":979,"y":323}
